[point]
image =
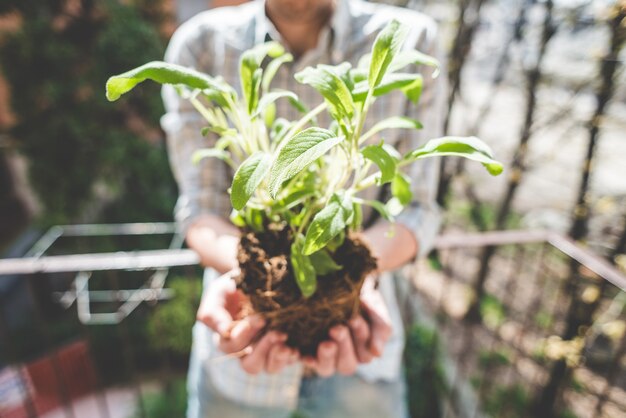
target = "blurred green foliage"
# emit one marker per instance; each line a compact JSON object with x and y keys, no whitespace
{"x":492,"y":311}
{"x":90,"y":160}
{"x":424,"y":372}
{"x":171,"y":402}
{"x":491,"y":359}
{"x":507,"y":402}
{"x":169,"y":328}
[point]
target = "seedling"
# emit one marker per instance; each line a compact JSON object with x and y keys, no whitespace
{"x":305,"y":178}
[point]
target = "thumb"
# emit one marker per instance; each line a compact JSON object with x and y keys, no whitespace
{"x":242,"y":334}
{"x":216,"y":317}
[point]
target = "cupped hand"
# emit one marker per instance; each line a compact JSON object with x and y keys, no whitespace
{"x":359,"y":342}
{"x":221,"y":310}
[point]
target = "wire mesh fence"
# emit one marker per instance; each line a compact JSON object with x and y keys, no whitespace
{"x":518,"y":358}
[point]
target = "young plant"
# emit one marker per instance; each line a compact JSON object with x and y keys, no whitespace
{"x":295,"y":173}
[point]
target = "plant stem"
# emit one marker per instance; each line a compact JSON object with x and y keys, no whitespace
{"x":369,"y":181}
{"x":305,"y":119}
{"x":305,"y":220}
{"x":354,"y":163}
{"x":235,"y":117}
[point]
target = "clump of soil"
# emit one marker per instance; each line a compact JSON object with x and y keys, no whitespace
{"x":267,"y":279}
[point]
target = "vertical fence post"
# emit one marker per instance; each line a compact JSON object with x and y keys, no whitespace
{"x":518,"y":165}
{"x":614,"y":371}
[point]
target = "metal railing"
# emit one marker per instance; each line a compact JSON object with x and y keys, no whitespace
{"x":84,"y":265}
{"x":41,"y":371}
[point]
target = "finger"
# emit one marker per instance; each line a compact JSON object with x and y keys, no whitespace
{"x":216,"y":317}
{"x":326,"y":358}
{"x":380,"y":325}
{"x":213,"y":311}
{"x":294,"y":357}
{"x":346,"y":357}
{"x":278,"y":358}
{"x":360,"y":331}
{"x":255,"y":362}
{"x":242,"y":334}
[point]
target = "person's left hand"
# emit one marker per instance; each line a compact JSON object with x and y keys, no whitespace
{"x":361,"y":341}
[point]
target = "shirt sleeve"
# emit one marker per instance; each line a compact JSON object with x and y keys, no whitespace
{"x":202,"y":187}
{"x":423,"y":216}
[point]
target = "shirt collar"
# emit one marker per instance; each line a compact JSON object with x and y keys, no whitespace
{"x":339,"y":25}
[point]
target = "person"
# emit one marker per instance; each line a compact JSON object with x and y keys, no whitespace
{"x":234,"y":370}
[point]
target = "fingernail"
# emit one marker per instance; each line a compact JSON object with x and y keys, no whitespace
{"x":224,"y":331}
{"x":376,"y":348}
{"x":284,"y":353}
{"x":338,"y":333}
{"x":327,"y":350}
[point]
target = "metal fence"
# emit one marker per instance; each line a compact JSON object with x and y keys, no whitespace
{"x":69,"y":323}
{"x":513,"y":361}
{"x":519,"y":359}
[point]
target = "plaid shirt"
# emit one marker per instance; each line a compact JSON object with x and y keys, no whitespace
{"x":212,"y":42}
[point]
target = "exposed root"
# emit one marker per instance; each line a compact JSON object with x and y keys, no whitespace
{"x":266,"y":277}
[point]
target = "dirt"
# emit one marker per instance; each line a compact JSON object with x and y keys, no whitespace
{"x":267,"y":279}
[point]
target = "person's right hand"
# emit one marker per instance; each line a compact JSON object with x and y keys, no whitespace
{"x":220,"y":310}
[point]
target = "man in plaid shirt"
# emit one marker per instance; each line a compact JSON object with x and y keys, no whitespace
{"x":357,"y":372}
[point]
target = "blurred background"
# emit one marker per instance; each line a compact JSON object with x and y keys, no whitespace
{"x":517,"y":313}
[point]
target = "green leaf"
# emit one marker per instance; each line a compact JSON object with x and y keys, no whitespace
{"x":210,"y":153}
{"x":237,"y":219}
{"x":271,"y":97}
{"x":414,"y":57}
{"x":295,"y":198}
{"x":253,"y":97}
{"x":327,"y":224}
{"x":392,"y":151}
{"x":380,"y":208}
{"x":303,"y":269}
{"x":343,"y":71}
{"x":221,"y":131}
{"x":468,"y":147}
{"x":401,"y":188}
{"x":163,"y":73}
{"x":301,"y":150}
{"x":250,"y":71}
{"x":413,"y":91}
{"x":336,"y":242}
{"x":254,"y":219}
{"x":224,"y":142}
{"x":248,"y":177}
{"x":323,"y":263}
{"x":386,"y":46}
{"x":269,"y":115}
{"x":394,"y":122}
{"x":331,"y":86}
{"x":409,"y":84}
{"x":272,"y":69}
{"x":385,"y":162}
{"x":279,"y":128}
